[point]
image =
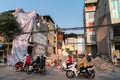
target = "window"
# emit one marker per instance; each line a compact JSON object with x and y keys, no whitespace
{"x":92,"y":37}
{"x":116,"y":31}
{"x":90,"y":24}
{"x":116,"y":8}
{"x":91,"y":14}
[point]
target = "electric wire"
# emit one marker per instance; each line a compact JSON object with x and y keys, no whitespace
{"x":67,"y":29}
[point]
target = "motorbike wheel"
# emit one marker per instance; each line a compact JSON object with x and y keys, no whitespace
{"x":62,"y":68}
{"x":17,"y":68}
{"x":28,"y":71}
{"x":26,"y":67}
{"x":70,"y":74}
{"x":91,"y":74}
{"x":43,"y":72}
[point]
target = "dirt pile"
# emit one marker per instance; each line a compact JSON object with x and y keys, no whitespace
{"x":106,"y":65}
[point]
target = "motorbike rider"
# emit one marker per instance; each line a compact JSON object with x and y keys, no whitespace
{"x":36,"y":62}
{"x":38,"y":59}
{"x":27,"y":60}
{"x":43,"y":61}
{"x":82,"y":63}
{"x":69,"y":60}
{"x":90,"y":60}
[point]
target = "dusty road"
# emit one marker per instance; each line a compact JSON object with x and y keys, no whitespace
{"x":6,"y":73}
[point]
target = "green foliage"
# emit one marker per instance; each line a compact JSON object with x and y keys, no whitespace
{"x":8,"y":24}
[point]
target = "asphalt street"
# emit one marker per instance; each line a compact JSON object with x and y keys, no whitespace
{"x":7,"y":73}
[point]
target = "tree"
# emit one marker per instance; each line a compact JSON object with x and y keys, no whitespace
{"x":9,"y":26}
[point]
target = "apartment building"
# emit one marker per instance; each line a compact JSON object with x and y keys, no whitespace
{"x":74,"y":43}
{"x":90,"y":36}
{"x":107,"y":22}
{"x":51,"y":49}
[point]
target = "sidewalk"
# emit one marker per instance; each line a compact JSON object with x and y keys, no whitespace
{"x":3,"y":64}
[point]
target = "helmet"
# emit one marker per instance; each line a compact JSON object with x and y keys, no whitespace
{"x":89,"y":54}
{"x":81,"y":55}
{"x":44,"y":55}
{"x":69,"y":55}
{"x":27,"y":54}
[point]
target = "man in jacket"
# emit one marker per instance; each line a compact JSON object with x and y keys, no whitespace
{"x":82,"y":62}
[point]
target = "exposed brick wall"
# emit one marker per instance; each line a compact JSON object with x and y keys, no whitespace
{"x":102,"y":40}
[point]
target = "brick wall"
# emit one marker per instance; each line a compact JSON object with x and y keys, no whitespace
{"x":102,"y":40}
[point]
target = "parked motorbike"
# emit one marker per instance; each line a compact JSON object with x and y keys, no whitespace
{"x":36,"y":68}
{"x":71,"y":72}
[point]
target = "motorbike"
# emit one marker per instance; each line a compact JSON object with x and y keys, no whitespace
{"x":36,"y":68}
{"x":19,"y":67}
{"x":71,"y":72}
{"x":63,"y":66}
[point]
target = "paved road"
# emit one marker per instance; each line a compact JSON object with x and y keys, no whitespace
{"x":6,"y":73}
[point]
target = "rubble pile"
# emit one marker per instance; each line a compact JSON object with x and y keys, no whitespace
{"x":103,"y":64}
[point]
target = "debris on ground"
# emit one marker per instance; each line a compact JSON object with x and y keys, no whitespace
{"x":105,"y":65}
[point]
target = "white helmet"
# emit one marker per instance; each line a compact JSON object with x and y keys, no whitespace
{"x":89,"y":54}
{"x":27,"y":54}
{"x":44,"y":55}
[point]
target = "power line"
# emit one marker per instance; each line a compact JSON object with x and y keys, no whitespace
{"x":87,"y":27}
{"x":66,"y":29}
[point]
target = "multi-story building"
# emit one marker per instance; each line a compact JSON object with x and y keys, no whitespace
{"x":74,"y":44}
{"x":46,"y":36}
{"x":42,"y":38}
{"x":59,"y":40}
{"x":107,"y":22}
{"x":80,"y":47}
{"x":90,"y":36}
{"x":51,"y":49}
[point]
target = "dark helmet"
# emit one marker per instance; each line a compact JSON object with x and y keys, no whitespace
{"x":81,"y":55}
{"x":69,"y":55}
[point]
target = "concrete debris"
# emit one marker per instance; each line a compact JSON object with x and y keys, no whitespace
{"x":105,"y":65}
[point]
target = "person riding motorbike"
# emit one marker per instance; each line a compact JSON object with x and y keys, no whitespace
{"x":43,"y":60}
{"x":36,"y":62}
{"x":90,"y":60}
{"x":37,"y":59}
{"x":82,"y":63}
{"x":39,"y":62}
{"x":27,"y":60}
{"x":69,"y":60}
{"x":81,"y":68}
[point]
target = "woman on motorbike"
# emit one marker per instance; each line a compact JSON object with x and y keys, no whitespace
{"x":82,"y":63}
{"x":27,"y":61}
{"x":69,"y":60}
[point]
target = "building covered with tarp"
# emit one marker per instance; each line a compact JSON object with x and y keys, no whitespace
{"x":31,"y":25}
